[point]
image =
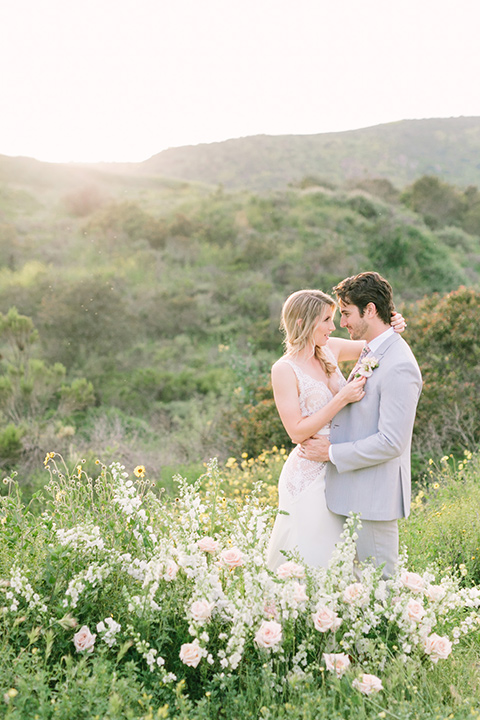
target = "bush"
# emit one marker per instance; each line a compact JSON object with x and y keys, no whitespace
{"x":10,"y":446}
{"x":443,"y":333}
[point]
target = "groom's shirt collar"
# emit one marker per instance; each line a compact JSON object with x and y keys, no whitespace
{"x":376,"y":342}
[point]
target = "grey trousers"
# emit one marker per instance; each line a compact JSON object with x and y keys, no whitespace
{"x":378,"y":542}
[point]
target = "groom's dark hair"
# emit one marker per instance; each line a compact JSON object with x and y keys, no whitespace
{"x":367,"y":287}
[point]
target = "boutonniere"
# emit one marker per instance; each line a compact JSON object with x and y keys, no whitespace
{"x":366,"y":367}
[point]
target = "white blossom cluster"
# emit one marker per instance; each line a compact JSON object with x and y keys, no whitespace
{"x":18,"y":588}
{"x":197,"y":569}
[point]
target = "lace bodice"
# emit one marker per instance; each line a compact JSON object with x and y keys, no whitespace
{"x":314,"y":394}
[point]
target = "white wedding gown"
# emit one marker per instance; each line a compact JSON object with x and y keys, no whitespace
{"x":309,"y":528}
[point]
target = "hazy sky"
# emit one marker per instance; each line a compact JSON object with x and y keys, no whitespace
{"x":89,"y":80}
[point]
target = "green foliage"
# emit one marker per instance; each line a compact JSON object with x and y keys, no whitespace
{"x":256,"y":425}
{"x":127,"y":221}
{"x":10,"y":445}
{"x":438,"y":202}
{"x":77,"y":396}
{"x":443,"y":333}
{"x":444,"y":529}
{"x":136,"y":295}
{"x":413,"y":258}
{"x":400,"y":151}
{"x":84,"y":201}
{"x":83,"y":318}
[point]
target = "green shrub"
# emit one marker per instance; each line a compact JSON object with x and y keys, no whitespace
{"x":10,"y":445}
{"x":443,"y":333}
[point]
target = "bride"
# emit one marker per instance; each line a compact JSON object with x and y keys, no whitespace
{"x":309,"y":390}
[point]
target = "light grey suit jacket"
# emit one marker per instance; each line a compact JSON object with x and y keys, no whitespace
{"x":372,"y":440}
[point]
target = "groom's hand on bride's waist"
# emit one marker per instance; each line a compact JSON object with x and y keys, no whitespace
{"x":315,"y":448}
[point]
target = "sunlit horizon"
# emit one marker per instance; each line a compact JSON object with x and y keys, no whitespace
{"x":120,"y":81}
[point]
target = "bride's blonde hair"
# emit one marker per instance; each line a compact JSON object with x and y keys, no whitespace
{"x":300,"y":313}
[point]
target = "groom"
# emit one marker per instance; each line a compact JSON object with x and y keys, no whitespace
{"x":369,"y":446}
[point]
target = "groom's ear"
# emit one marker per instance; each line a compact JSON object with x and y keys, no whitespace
{"x":370,"y":310}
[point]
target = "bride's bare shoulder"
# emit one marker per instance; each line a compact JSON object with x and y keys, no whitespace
{"x":282,"y":367}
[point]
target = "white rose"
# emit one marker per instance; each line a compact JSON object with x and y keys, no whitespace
{"x":412,"y":581}
{"x":368,"y":684}
{"x":435,"y":593}
{"x":437,"y":647}
{"x":299,"y":594}
{"x":290,"y":569}
{"x":414,"y":610}
{"x":201,"y":610}
{"x":171,"y":570}
{"x":191,"y":653}
{"x":355,"y":593}
{"x":208,"y":544}
{"x":84,"y":640}
{"x":325,"y":619}
{"x":337,"y":663}
{"x":268,"y":634}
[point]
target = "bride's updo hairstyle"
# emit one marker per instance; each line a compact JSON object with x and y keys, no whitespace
{"x":300,"y":313}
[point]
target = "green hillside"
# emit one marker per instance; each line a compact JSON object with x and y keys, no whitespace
{"x":400,"y":151}
{"x":139,"y":316}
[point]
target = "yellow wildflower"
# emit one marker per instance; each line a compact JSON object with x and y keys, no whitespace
{"x":139,"y":471}
{"x":48,"y":457}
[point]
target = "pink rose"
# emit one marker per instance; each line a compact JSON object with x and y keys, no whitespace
{"x":270,"y":609}
{"x":191,"y":653}
{"x":414,"y":610}
{"x":337,"y":663}
{"x":171,"y":570}
{"x":84,"y":640}
{"x":208,"y":544}
{"x":325,"y":619}
{"x":268,"y":634}
{"x":435,"y":593}
{"x":201,"y":610}
{"x":437,"y":647}
{"x":299,"y":594}
{"x":355,"y":593}
{"x":290,"y":569}
{"x":412,"y":581}
{"x":232,"y":558}
{"x":368,"y":684}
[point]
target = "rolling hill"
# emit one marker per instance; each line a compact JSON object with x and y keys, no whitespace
{"x":400,"y":151}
